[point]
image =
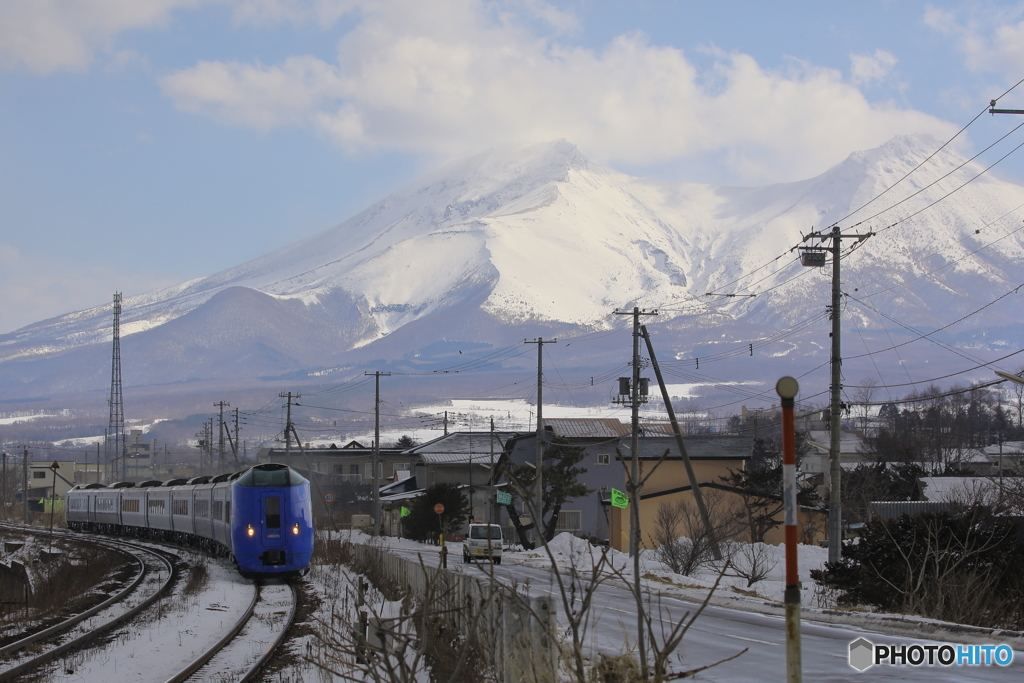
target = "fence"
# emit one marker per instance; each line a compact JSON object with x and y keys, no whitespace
{"x":516,"y":634}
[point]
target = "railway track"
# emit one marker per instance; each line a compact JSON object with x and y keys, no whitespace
{"x":156,"y":574}
{"x":254,"y":638}
{"x":238,"y":655}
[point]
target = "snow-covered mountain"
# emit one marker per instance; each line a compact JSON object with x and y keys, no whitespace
{"x":532,"y":239}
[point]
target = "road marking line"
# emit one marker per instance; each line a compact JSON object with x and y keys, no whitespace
{"x":752,"y":640}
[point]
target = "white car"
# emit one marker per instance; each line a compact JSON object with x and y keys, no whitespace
{"x":483,"y":542}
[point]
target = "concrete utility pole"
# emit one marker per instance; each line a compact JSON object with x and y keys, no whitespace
{"x":5,"y":478}
{"x":376,"y":448}
{"x":220,"y":440}
{"x":288,"y":425}
{"x":24,"y":484}
{"x":634,"y":486}
{"x":538,"y":521}
{"x":234,"y":445}
{"x":834,"y":481}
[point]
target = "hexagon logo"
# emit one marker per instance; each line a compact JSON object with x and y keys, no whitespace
{"x":862,"y":654}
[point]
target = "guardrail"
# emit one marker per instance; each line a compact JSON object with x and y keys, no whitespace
{"x":516,"y":633}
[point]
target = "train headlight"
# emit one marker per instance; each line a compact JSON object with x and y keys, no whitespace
{"x":249,"y":531}
{"x":295,"y":529}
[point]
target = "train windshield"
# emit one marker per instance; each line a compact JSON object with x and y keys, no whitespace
{"x":273,"y":512}
{"x":271,"y":475}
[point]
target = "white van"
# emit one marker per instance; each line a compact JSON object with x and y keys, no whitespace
{"x":481,"y":540}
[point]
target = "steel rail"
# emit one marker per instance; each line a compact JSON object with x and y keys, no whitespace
{"x":74,"y":643}
{"x":205,"y":657}
{"x":68,"y":623}
{"x":251,"y":673}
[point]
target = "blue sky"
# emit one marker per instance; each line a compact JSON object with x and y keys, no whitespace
{"x":148,"y":142}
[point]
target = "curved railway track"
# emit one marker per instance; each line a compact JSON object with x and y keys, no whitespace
{"x":154,"y":579}
{"x":237,"y":656}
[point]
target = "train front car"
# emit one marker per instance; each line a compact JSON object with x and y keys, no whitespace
{"x":271,"y":521}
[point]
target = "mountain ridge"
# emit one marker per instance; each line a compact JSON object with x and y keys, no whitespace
{"x":538,"y":237}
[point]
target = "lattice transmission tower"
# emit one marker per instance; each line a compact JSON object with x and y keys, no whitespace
{"x":116,"y":446}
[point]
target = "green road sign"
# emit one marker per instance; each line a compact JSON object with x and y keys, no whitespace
{"x":504,"y":498}
{"x":405,"y":511}
{"x":619,"y":499}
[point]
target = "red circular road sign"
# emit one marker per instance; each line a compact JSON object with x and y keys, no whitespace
{"x":439,"y":508}
{"x":329,"y":497}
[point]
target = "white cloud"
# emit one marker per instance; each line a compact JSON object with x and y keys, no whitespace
{"x":454,"y":77}
{"x":39,"y":287}
{"x":866,"y":69}
{"x":990,"y":38}
{"x":50,"y":35}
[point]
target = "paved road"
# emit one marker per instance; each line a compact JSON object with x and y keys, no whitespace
{"x":722,"y":632}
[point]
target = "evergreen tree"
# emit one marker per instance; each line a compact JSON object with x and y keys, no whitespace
{"x":561,"y":483}
{"x":423,"y":524}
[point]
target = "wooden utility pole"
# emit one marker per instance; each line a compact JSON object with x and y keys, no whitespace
{"x":376,"y":448}
{"x":538,"y":521}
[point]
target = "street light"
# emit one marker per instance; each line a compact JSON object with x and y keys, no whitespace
{"x":1013,"y":378}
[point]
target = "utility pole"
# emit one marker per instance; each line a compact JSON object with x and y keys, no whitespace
{"x":376,"y":447}
{"x":24,"y":484}
{"x":5,"y":484}
{"x":815,"y":257}
{"x":490,"y":495}
{"x":234,"y":445}
{"x":634,"y":487}
{"x":288,"y":427}
{"x":220,"y":440}
{"x":538,"y":521}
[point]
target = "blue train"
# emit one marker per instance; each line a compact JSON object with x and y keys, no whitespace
{"x":261,"y":517}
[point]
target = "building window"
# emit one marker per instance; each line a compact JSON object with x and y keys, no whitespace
{"x":339,"y":469}
{"x":603,"y":458}
{"x":569,"y":520}
{"x":39,"y":475}
{"x":353,"y":469}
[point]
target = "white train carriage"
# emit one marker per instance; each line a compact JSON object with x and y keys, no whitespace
{"x":133,"y":508}
{"x":181,"y":511}
{"x":80,"y":505}
{"x":220,"y":510}
{"x":106,"y":506}
{"x":202,"y":507}
{"x":158,"y":504}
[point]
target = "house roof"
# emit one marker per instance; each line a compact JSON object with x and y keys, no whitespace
{"x":600,"y":427}
{"x":462,"y":448}
{"x":1009,"y":448}
{"x":965,"y":490}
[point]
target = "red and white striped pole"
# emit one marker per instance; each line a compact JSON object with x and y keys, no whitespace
{"x":787,"y":388}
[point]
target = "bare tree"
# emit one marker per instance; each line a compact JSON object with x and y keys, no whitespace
{"x":863,"y":397}
{"x":683,"y":542}
{"x":753,"y":561}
